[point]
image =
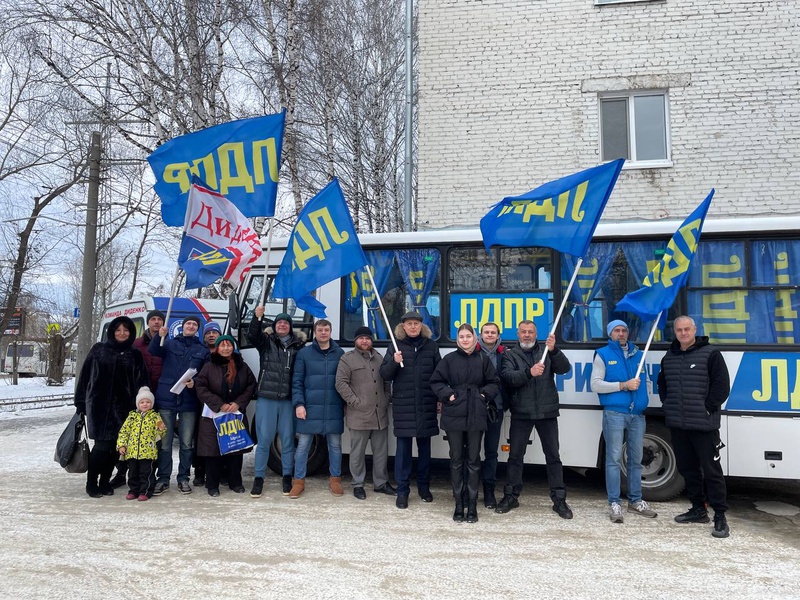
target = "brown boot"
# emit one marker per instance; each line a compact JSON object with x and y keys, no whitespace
{"x":336,"y":486}
{"x":298,"y":485}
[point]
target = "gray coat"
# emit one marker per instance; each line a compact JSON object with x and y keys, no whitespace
{"x":359,"y":383}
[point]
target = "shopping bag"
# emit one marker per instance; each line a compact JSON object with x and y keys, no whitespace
{"x":232,"y":435}
{"x":80,"y":458}
{"x":69,"y":441}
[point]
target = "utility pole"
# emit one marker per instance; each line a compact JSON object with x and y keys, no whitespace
{"x":89,"y":273}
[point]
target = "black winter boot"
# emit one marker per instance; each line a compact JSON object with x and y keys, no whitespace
{"x":472,"y":511}
{"x":91,"y":484}
{"x":489,"y":499}
{"x":458,"y":513}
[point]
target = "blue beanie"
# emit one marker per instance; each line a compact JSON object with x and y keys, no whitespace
{"x":211,"y":326}
{"x":615,"y":323}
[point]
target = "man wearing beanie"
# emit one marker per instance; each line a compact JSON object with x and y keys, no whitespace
{"x":277,"y":349}
{"x":155,"y":320}
{"x":179,"y":354}
{"x":210,"y":334}
{"x":366,"y":394}
{"x":623,"y":395}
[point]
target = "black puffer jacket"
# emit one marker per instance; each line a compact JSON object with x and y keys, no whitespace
{"x":533,"y":397}
{"x":277,"y":361}
{"x":473,"y":380}
{"x":213,"y":390}
{"x":108,"y":382}
{"x":413,"y":400}
{"x":693,"y":384}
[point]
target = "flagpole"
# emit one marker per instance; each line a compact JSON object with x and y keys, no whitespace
{"x":647,"y":346}
{"x":383,"y":312}
{"x":563,"y":304}
{"x":171,"y":298}
{"x":266,"y":260}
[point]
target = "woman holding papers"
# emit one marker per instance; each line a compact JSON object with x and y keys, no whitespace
{"x":224,"y":385}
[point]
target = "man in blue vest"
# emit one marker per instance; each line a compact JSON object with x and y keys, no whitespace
{"x":623,"y":395}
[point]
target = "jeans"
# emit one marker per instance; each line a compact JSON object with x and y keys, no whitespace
{"x":520,"y":434}
{"x":186,"y":423}
{"x":491,"y":444}
{"x":615,"y":425}
{"x":402,"y":464}
{"x":271,"y":416}
{"x":334,"y":454}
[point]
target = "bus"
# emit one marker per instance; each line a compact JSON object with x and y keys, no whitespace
{"x":207,"y":309}
{"x":742,"y":291}
{"x":31,"y":359}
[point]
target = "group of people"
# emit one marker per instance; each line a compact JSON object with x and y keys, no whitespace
{"x":315,"y":389}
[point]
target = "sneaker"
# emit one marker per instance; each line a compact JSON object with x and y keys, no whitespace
{"x":286,"y":484}
{"x":130,"y":496}
{"x":184,"y":487}
{"x":143,"y":497}
{"x":258,"y":487}
{"x":507,"y":503}
{"x":562,"y":508}
{"x":386,"y":488}
{"x":615,"y":512}
{"x":161,"y":488}
{"x":696,"y":514}
{"x":642,"y":509}
{"x":721,"y":529}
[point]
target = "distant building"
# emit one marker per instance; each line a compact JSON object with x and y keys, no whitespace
{"x":694,"y":93}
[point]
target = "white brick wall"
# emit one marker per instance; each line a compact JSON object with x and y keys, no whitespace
{"x":508,"y":99}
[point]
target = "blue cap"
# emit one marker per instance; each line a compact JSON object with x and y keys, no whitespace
{"x":615,"y":323}
{"x":211,"y":327}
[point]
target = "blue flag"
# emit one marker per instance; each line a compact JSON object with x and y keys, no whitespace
{"x":561,"y":214}
{"x":662,"y":284}
{"x":240,"y":160}
{"x":323,"y":246}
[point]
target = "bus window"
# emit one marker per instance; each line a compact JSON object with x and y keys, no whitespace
{"x":524,"y":269}
{"x":301,"y":320}
{"x":406,"y":280}
{"x":746,"y":292}
{"x":472,"y":269}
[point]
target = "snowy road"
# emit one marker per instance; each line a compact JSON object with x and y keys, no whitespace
{"x":59,"y":543}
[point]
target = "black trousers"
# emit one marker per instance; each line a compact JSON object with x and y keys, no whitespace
{"x":232,"y":464}
{"x":141,"y":476}
{"x":520,"y":433}
{"x":102,"y":458}
{"x":698,"y":463}
{"x":465,"y":443}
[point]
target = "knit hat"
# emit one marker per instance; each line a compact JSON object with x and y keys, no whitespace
{"x":412,"y":314}
{"x":155,"y":313}
{"x":283,"y":317}
{"x":225,"y":338}
{"x":193,"y":318}
{"x":144,"y":394}
{"x":363,"y":331}
{"x":212,"y":326}
{"x":615,"y":323}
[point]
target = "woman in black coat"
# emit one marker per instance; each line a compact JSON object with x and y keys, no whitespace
{"x":110,"y":378}
{"x":224,"y":384}
{"x":464,"y":381}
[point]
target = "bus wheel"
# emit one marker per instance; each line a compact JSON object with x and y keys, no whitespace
{"x":317,"y":455}
{"x":660,"y":478}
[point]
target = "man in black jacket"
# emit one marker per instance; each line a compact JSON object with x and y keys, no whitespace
{"x":274,"y":412}
{"x":534,"y":403}
{"x":693,"y":384}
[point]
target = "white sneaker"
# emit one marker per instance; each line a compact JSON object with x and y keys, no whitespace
{"x":642,"y":508}
{"x":615,"y":512}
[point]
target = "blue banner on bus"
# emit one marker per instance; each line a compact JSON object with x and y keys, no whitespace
{"x":506,"y":310}
{"x":766,"y":381}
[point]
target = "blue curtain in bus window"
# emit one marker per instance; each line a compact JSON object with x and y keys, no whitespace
{"x":359,"y":289}
{"x":642,"y":258}
{"x":585,"y":324}
{"x":723,"y":314}
{"x":419,"y":269}
{"x":774,"y":314}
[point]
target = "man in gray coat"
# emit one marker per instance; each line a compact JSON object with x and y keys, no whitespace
{"x":359,"y":383}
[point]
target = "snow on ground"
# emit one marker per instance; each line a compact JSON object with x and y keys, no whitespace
{"x":33,"y":386}
{"x":59,"y":543}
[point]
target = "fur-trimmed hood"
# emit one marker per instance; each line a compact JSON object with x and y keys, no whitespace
{"x":400,"y":333}
{"x":301,"y":335}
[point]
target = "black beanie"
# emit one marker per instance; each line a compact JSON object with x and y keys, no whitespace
{"x":193,"y":318}
{"x":365,"y":331}
{"x":155,"y":313}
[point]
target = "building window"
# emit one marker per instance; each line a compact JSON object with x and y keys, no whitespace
{"x":635,"y":126}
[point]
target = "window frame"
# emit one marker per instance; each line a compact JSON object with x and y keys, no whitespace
{"x":630,"y":96}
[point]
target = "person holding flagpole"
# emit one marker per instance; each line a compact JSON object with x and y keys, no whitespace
{"x":623,"y":395}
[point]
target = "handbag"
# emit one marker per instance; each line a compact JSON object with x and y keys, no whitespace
{"x":72,"y":448}
{"x":232,"y":435}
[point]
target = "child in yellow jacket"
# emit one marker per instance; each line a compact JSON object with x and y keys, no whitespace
{"x":136,"y":443}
